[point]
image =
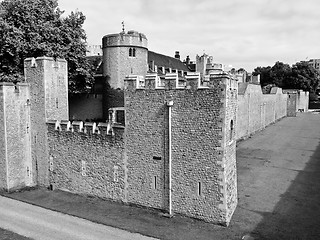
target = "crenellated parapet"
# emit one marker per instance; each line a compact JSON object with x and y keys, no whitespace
{"x":192,"y":80}
{"x":89,"y":128}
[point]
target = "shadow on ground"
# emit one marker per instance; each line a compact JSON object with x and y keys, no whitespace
{"x":297,"y":214}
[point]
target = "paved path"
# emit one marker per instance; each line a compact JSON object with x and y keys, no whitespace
{"x":42,"y":224}
{"x":279,"y":180}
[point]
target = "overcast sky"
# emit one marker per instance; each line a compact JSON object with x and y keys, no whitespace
{"x":241,"y":33}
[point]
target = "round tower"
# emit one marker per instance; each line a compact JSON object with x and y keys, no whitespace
{"x":124,"y":54}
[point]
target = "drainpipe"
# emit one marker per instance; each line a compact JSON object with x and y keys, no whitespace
{"x":170,"y":104}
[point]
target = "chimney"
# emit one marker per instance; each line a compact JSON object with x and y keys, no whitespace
{"x":188,"y":60}
{"x":177,"y":55}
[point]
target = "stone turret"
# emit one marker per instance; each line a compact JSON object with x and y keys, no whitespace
{"x":124,"y":54}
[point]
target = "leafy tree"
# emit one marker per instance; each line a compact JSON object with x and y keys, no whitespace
{"x":34,"y":28}
{"x":299,"y":76}
{"x":265,"y":77}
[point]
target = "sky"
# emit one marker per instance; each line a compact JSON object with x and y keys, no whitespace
{"x":242,"y":33}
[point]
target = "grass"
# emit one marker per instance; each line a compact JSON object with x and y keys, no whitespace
{"x":148,"y":222}
{"x":7,"y":235}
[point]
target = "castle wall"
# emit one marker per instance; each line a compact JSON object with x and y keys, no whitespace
{"x":199,"y":161}
{"x":3,"y":144}
{"x":87,"y":163}
{"x":257,"y":110}
{"x":16,"y":136}
{"x":49,"y":100}
{"x":230,"y":168}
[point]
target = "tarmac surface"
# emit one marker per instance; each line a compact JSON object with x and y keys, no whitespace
{"x":42,"y":224}
{"x":278,"y":191}
{"x":279,"y":180}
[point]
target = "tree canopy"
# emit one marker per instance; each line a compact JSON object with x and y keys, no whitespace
{"x":34,"y":28}
{"x":300,"y":76}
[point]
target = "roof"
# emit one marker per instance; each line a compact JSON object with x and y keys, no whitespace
{"x":166,"y":61}
{"x":160,"y":60}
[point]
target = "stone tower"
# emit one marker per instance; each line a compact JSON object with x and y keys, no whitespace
{"x":181,"y":146}
{"x":24,"y":110}
{"x":48,"y":83}
{"x":15,"y":140}
{"x":123,"y":54}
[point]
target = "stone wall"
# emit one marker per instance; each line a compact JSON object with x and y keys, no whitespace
{"x":48,"y":83}
{"x":16,"y":163}
{"x":200,"y":163}
{"x":3,"y":143}
{"x":257,"y":110}
{"x":230,"y":171}
{"x":87,"y":160}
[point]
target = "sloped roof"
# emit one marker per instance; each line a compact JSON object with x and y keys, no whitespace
{"x":166,"y":61}
{"x":160,"y":60}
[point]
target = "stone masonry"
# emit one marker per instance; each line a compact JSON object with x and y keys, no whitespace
{"x":15,"y":142}
{"x":203,"y":145}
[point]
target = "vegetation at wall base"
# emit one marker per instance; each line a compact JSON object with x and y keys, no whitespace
{"x":35,"y":28}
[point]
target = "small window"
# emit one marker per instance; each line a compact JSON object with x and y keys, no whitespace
{"x":231,"y":130}
{"x":154,"y":184}
{"x":57,"y":103}
{"x":115,"y":174}
{"x":132,"y":52}
{"x":199,"y":189}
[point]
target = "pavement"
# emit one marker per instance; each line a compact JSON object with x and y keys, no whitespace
{"x":278,"y":191}
{"x":39,"y":223}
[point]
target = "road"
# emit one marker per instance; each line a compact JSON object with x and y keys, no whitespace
{"x":39,"y":223}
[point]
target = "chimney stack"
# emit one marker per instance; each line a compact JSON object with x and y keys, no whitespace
{"x":177,"y":55}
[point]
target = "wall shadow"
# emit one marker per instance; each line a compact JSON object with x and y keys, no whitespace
{"x":297,"y":215}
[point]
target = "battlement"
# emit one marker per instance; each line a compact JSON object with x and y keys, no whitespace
{"x":131,"y":38}
{"x":101,"y":128}
{"x":192,"y":80}
{"x":35,"y":62}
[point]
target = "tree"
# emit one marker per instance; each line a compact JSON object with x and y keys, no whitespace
{"x":264,"y":73}
{"x":300,"y":76}
{"x":34,"y":28}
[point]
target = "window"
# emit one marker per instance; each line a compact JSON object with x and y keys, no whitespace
{"x":115,"y":174}
{"x":132,"y":52}
{"x":154,"y":184}
{"x":231,"y":130}
{"x":199,"y":189}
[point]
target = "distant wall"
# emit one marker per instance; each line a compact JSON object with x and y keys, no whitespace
{"x":86,"y":106}
{"x":302,"y":100}
{"x":87,"y":163}
{"x":257,"y":110}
